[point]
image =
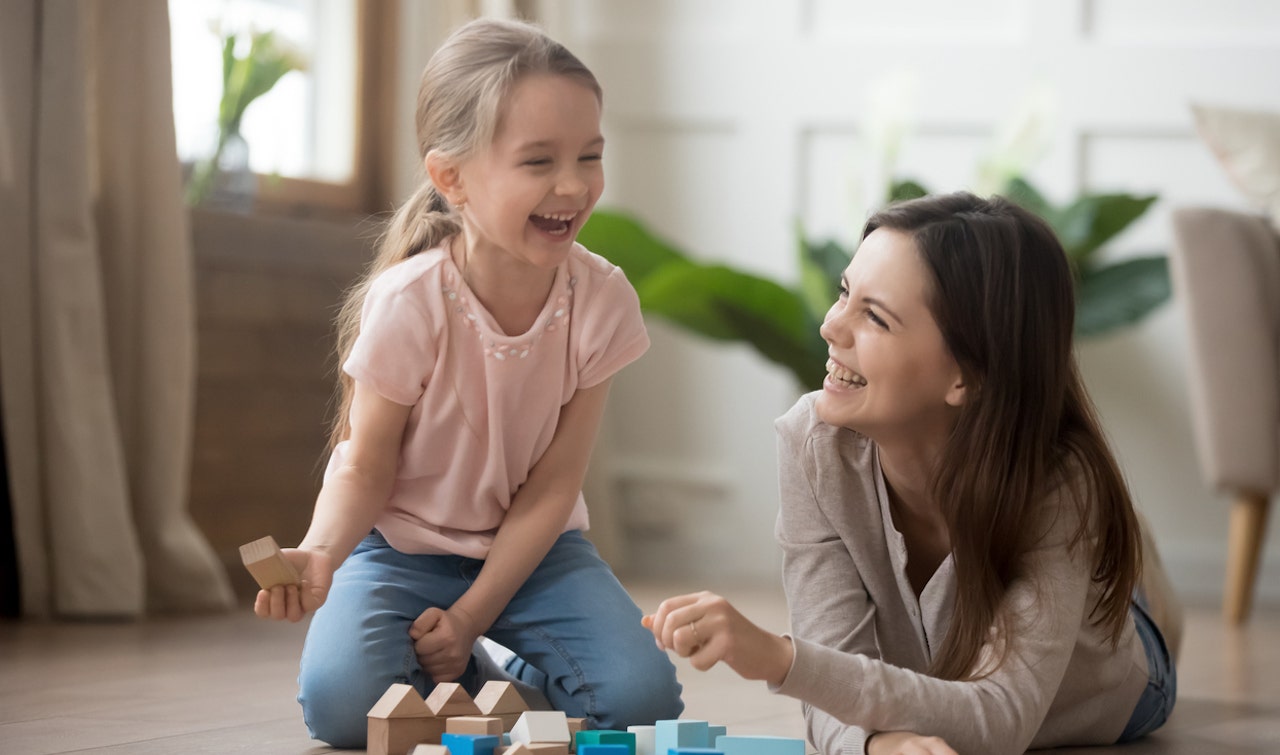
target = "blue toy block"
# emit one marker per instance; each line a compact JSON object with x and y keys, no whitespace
{"x":470,"y":744}
{"x":606,"y":737}
{"x":677,"y":733}
{"x":694,"y":751}
{"x":598,"y":749}
{"x":740,"y":745}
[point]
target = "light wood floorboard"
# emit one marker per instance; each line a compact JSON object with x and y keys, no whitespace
{"x":226,"y":684}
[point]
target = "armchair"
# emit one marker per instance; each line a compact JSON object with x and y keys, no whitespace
{"x":1226,"y":270}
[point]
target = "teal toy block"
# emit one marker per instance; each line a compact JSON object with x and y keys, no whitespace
{"x":676,"y":733}
{"x":714,"y":732}
{"x":742,"y":745}
{"x":603,"y":749}
{"x":644,"y":739}
{"x":606,"y":737}
{"x":470,"y":744}
{"x":694,"y":751}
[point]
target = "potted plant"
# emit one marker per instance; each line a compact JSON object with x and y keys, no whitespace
{"x":252,"y":63}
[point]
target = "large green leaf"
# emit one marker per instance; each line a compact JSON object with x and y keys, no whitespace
{"x":696,"y":295}
{"x":1108,"y":215}
{"x":805,"y":358}
{"x":627,"y":243}
{"x":821,"y":265}
{"x":725,"y":304}
{"x":1120,"y":294}
{"x":904,"y":189}
{"x":1024,"y":194}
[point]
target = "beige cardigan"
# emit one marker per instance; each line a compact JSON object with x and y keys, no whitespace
{"x":863,"y":641}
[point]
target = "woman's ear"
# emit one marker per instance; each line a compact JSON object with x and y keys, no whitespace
{"x":958,"y":393}
{"x":444,"y":174}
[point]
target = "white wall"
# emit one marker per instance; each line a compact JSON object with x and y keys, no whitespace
{"x":729,"y":119}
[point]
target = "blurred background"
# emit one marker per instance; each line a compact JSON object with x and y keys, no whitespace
{"x":740,"y":132}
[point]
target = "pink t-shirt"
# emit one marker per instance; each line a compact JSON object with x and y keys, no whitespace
{"x":485,"y":405}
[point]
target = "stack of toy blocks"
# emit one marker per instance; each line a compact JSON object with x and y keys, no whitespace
{"x":498,"y":722}
{"x":450,"y":722}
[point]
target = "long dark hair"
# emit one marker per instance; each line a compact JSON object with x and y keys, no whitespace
{"x":1003,"y":297}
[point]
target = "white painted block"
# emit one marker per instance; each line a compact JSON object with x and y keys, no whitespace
{"x":541,"y":726}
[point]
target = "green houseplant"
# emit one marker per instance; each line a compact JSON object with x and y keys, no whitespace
{"x":781,"y":321}
{"x":246,"y":76}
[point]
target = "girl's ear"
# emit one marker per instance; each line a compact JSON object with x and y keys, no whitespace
{"x":444,"y":173}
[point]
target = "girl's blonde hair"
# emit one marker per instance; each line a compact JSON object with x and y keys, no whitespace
{"x":460,"y":100}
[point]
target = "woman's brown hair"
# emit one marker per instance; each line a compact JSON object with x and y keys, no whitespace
{"x":1003,"y":298}
{"x":460,"y":99}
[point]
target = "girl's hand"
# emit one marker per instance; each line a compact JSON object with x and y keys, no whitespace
{"x":706,"y":629}
{"x":442,"y":641}
{"x":292,"y":602}
{"x":906,"y":743}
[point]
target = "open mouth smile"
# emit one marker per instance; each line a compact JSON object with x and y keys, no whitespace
{"x":843,"y":376}
{"x":556,"y":224}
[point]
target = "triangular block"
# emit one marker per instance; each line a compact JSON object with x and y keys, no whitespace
{"x":500,"y":697}
{"x":400,"y":701}
{"x":450,"y":699}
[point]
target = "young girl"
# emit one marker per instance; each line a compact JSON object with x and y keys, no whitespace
{"x":961,"y":555}
{"x":477,"y":355}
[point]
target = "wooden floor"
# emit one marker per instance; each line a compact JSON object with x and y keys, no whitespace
{"x":225,"y":684}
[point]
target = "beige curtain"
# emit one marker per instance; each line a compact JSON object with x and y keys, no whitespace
{"x":97,"y":332}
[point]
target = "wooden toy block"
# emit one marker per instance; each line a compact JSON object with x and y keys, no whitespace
{"x":450,"y":699}
{"x":491,"y":725}
{"x":500,"y":697}
{"x":470,"y":744}
{"x":399,"y":720}
{"x":267,"y":563}
{"x":743,"y":745}
{"x":606,"y":737}
{"x":575,"y":725}
{"x":538,"y":726}
{"x":430,"y":750}
{"x":644,"y":739}
{"x":598,"y":749}
{"x":676,"y":733}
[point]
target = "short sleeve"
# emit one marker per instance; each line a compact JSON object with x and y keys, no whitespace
{"x":395,"y":352}
{"x":612,"y":331}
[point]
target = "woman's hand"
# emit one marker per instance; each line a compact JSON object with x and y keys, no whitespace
{"x":906,"y":743}
{"x":706,"y":629}
{"x":442,"y":641}
{"x":292,"y":602}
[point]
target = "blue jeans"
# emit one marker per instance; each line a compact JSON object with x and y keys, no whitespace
{"x":574,"y":629}
{"x":1157,"y":699}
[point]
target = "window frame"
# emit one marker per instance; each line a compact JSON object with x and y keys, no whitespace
{"x":367,"y":190}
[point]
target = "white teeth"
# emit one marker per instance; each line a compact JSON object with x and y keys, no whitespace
{"x":844,"y":375}
{"x":562,"y":216}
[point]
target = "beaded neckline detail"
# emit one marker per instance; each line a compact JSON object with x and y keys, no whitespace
{"x":554,"y":316}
